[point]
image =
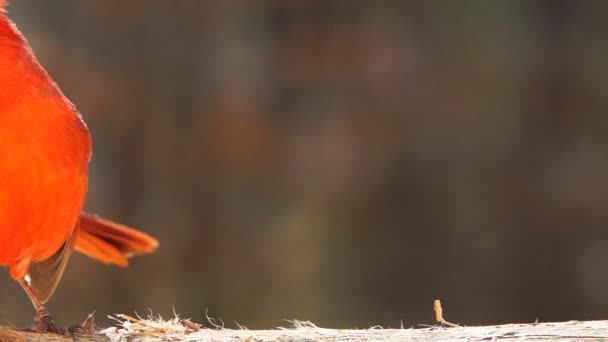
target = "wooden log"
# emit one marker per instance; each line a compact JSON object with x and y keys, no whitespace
{"x":131,"y":329}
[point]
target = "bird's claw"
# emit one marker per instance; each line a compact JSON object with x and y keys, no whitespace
{"x":43,"y":323}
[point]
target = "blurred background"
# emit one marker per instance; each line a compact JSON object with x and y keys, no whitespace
{"x":344,"y":162}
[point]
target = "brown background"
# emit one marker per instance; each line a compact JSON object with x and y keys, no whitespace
{"x":344,"y":162}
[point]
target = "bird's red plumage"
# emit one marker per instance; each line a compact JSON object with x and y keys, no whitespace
{"x":45,"y":148}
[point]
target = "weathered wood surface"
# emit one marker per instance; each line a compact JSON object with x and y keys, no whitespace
{"x":179,"y":330}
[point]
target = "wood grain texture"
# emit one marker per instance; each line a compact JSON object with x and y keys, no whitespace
{"x":175,"y":330}
{"x":9,"y":334}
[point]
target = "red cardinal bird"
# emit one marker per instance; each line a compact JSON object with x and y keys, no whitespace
{"x":45,"y":149}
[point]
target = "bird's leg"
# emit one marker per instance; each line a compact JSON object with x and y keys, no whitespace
{"x":42,"y":321}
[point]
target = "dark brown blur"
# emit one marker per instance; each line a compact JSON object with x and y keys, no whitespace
{"x":344,"y":162}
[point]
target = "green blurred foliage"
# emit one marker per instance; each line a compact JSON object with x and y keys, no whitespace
{"x":344,"y":162}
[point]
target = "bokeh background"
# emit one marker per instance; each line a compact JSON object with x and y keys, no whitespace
{"x":344,"y":162}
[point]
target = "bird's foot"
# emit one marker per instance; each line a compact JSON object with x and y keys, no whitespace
{"x":43,"y":323}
